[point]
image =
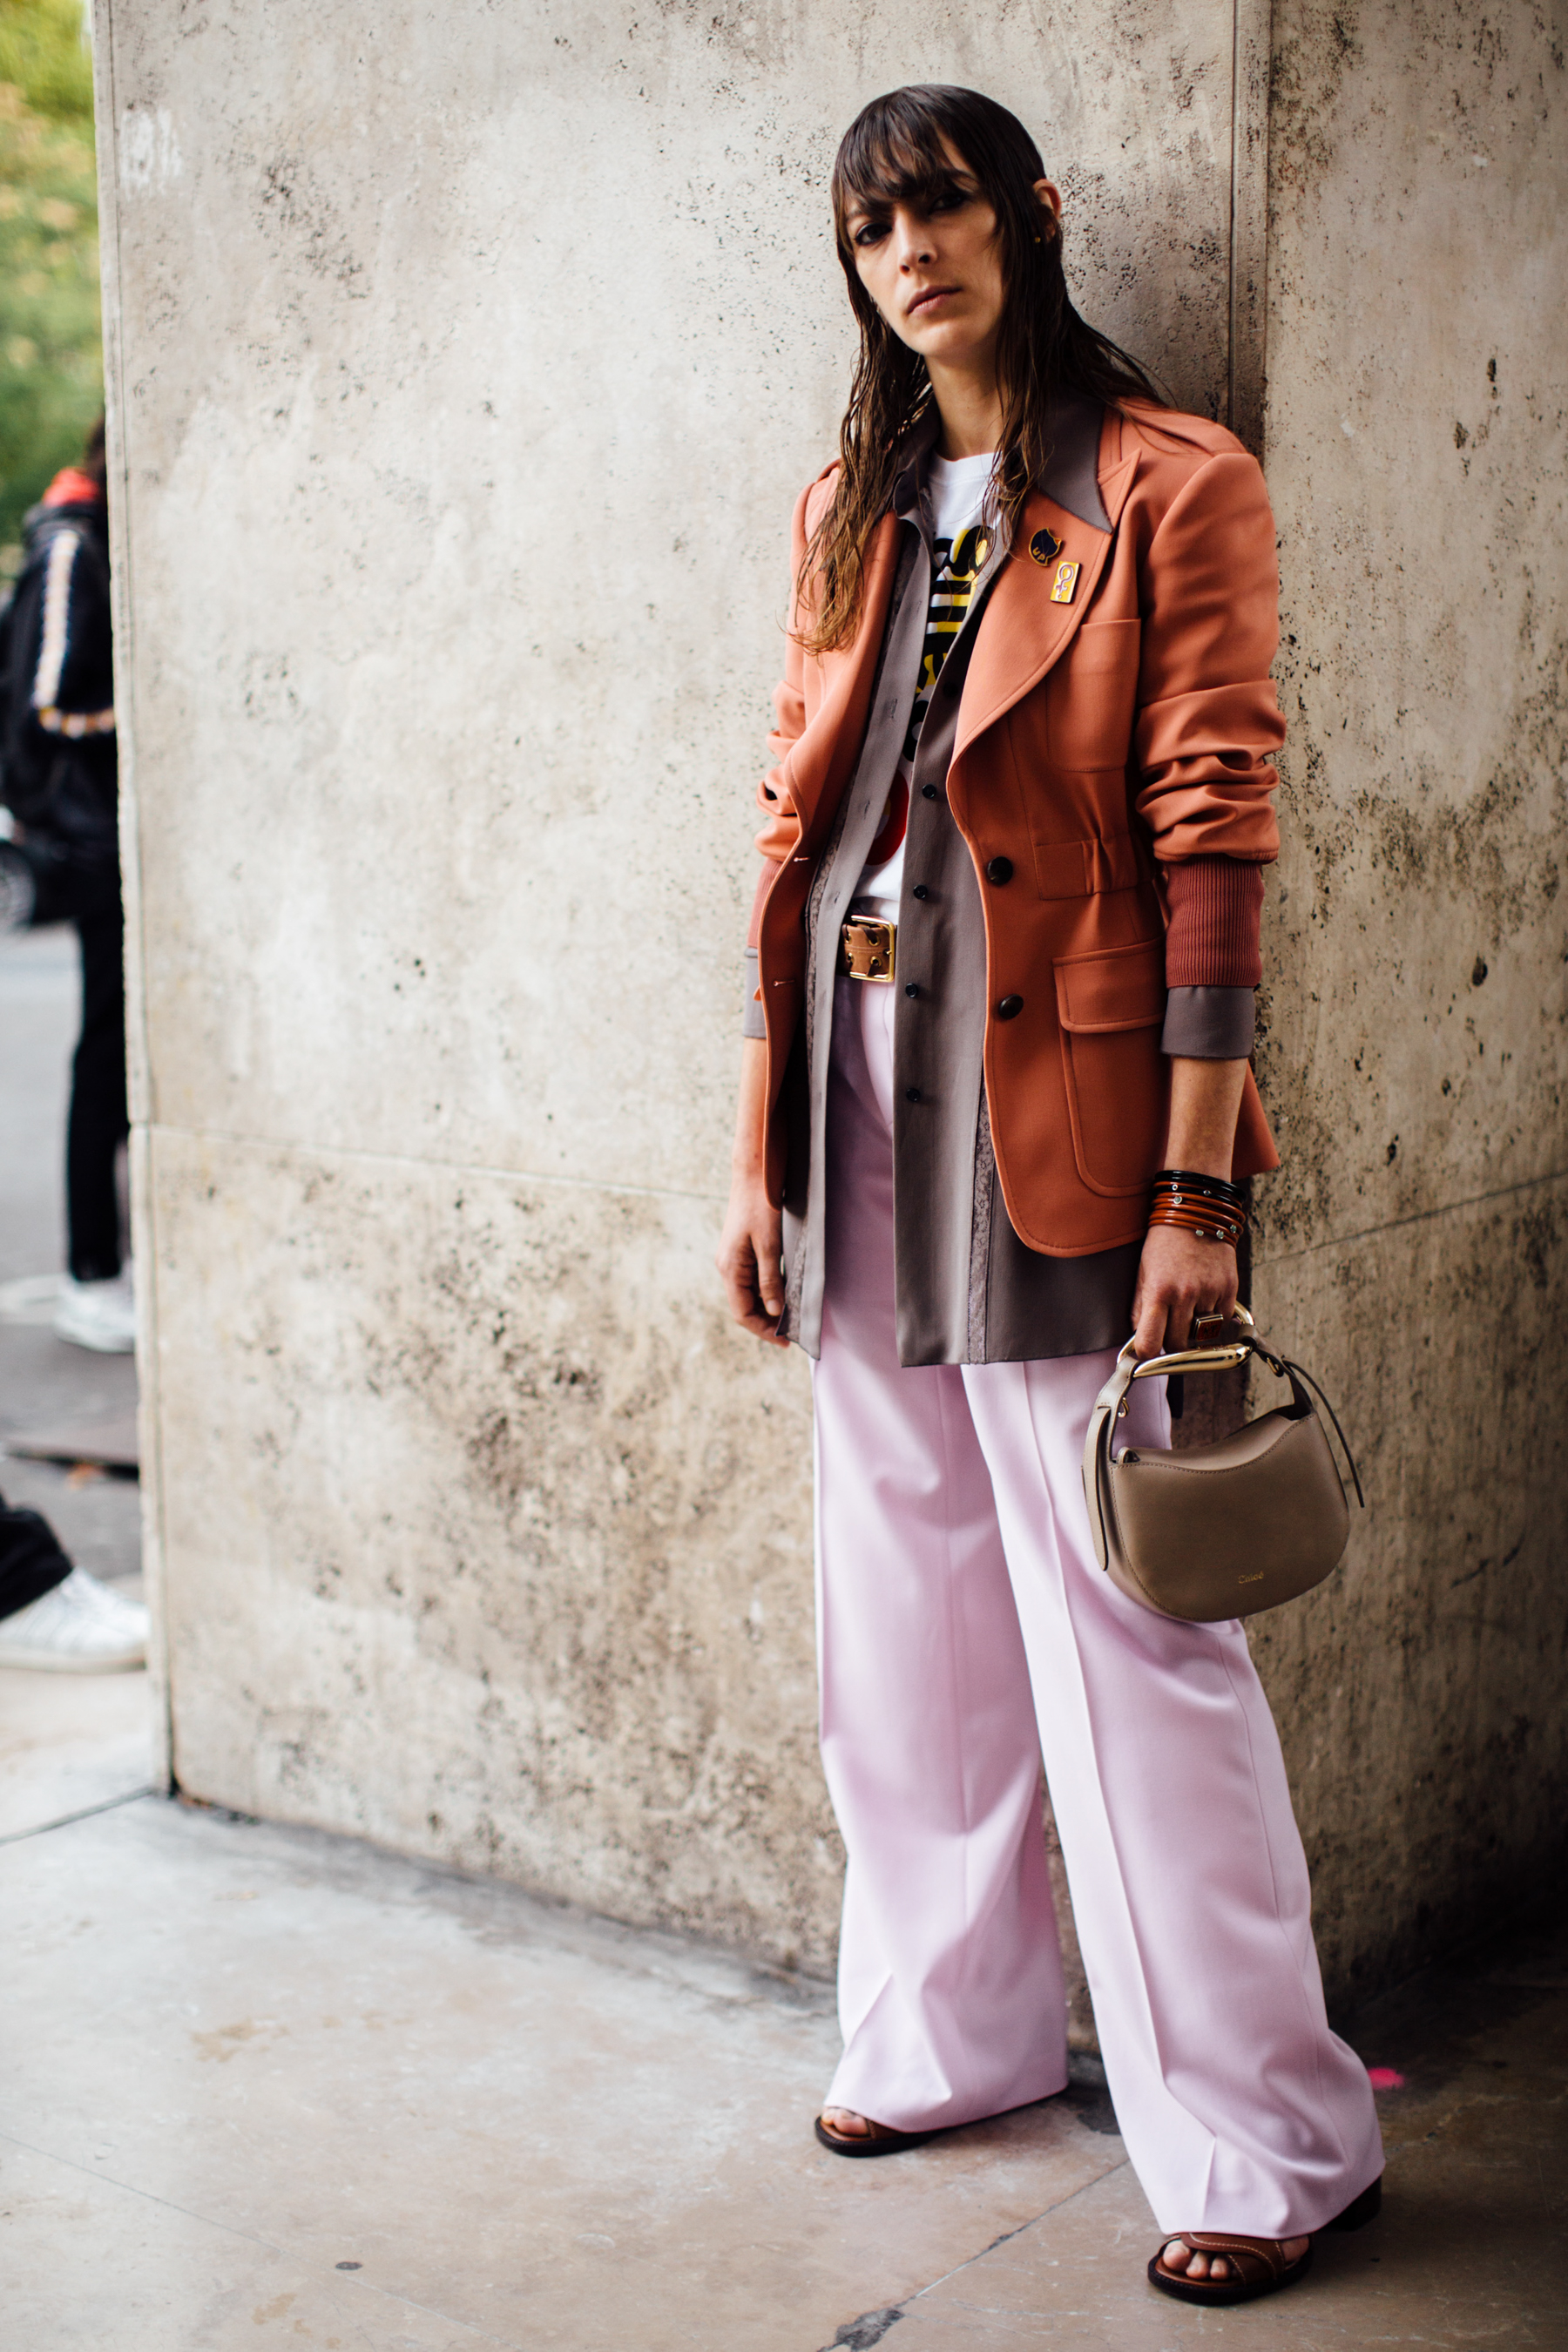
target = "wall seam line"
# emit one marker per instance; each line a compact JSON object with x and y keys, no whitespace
{"x":1417,"y":1217}
{"x":492,"y":1170}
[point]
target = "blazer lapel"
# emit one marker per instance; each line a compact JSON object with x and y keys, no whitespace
{"x":821,"y":762}
{"x":1023,"y":632}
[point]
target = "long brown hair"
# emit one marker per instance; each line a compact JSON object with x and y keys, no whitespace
{"x":895,"y":150}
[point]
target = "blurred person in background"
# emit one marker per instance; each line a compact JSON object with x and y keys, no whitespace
{"x":60,"y":761}
{"x":55,"y":1618}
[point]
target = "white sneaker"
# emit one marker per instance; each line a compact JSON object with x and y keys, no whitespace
{"x":79,"y":1628}
{"x":101,"y":1314}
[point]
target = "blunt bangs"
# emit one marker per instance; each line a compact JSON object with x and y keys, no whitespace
{"x":896,"y":150}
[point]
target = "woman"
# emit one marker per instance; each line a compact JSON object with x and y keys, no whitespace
{"x":1001,"y":975}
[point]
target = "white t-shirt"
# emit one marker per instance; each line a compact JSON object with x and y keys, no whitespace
{"x":955,"y":496}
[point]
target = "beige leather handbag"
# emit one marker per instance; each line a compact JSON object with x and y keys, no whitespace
{"x":1227,"y":1529}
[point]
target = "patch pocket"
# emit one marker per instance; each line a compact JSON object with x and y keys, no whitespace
{"x":1111,"y":1006}
{"x":1091,"y":697}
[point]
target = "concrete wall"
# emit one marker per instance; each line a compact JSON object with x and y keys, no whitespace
{"x":1416,"y":1055}
{"x":464,"y":363}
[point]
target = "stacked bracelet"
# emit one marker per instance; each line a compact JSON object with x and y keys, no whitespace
{"x":1209,"y":1206}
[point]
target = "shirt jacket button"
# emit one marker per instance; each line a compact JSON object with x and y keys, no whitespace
{"x":911,"y":1094}
{"x":929,"y":791}
{"x":920,"y":891}
{"x":1009,"y":1007}
{"x":999,"y":870}
{"x":911,"y":988}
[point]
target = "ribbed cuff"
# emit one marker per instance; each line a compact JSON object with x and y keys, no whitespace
{"x":1216,"y":904}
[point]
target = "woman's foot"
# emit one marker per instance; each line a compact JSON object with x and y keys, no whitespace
{"x":1181,"y":2261}
{"x":1210,"y":2266}
{"x":848,"y":2134}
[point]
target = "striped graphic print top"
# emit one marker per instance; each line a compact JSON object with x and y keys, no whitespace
{"x":959,"y":545}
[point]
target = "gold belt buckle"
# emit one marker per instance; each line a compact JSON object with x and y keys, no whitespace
{"x":869,"y":948}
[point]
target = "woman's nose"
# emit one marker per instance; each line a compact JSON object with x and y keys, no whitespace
{"x":913,"y":242}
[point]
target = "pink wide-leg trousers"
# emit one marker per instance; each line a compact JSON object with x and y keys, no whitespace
{"x":964,"y":1626}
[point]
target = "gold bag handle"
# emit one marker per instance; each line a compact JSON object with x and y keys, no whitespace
{"x":1110,"y":1406}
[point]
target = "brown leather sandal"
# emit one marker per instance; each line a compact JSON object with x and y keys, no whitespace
{"x":876,"y":2139}
{"x":1257,"y":2265}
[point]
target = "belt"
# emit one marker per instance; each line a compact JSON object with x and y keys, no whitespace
{"x":867,"y":948}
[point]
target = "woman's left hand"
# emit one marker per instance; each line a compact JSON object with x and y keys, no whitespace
{"x":1179,"y":1276}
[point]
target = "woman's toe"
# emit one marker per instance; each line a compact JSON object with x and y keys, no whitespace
{"x":845,"y":2121}
{"x":1178,"y":2257}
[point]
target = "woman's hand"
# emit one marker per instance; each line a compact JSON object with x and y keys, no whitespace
{"x":1179,"y":1276}
{"x":748,"y":1258}
{"x":750,"y":1248}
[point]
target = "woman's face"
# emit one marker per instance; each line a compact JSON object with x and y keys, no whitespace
{"x":934,"y":265}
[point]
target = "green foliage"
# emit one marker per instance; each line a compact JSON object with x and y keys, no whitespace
{"x":51,"y":362}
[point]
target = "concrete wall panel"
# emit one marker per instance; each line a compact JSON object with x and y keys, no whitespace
{"x":457,"y":1557}
{"x":1413,"y":1249}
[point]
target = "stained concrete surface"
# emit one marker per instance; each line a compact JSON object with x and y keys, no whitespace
{"x":1413,"y":1248}
{"x":277,"y":2086}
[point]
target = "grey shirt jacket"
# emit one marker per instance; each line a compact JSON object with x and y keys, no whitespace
{"x":968,"y":1290}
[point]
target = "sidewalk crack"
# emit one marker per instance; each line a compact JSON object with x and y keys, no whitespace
{"x":861,"y":2335}
{"x":109,"y":1805}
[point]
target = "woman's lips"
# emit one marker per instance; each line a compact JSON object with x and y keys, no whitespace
{"x":933,"y":294}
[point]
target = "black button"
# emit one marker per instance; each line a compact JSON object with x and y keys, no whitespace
{"x":929,"y":792}
{"x":911,"y":1094}
{"x":920,"y":891}
{"x":1009,"y":1008}
{"x":999,"y":870}
{"x":911,"y":988}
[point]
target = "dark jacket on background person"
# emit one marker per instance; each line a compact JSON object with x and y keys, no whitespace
{"x":60,"y":770}
{"x":58,"y":756}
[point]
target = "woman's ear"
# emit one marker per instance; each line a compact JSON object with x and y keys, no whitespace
{"x":1050,"y":198}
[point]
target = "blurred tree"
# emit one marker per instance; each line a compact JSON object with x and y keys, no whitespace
{"x":51,"y":360}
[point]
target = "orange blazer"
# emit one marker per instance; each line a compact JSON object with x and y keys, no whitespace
{"x":1099,"y":739}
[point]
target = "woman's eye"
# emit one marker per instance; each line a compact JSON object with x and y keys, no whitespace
{"x":869,"y":231}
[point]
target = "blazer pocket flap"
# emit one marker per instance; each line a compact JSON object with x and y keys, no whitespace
{"x":1120,"y":988}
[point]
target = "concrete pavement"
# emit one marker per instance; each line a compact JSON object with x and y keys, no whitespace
{"x":268,"y":2087}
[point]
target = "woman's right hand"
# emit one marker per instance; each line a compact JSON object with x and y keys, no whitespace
{"x":752,"y":1248}
{"x":749,"y":1257}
